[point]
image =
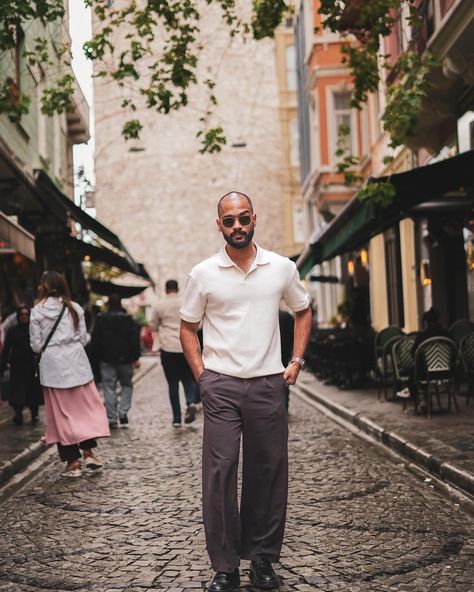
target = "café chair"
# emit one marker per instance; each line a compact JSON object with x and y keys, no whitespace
{"x":435,"y":371}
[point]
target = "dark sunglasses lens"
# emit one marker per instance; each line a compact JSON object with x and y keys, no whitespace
{"x":228,"y":222}
{"x":244,"y":220}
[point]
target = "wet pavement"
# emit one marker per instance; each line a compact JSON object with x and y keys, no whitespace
{"x":357,"y":521}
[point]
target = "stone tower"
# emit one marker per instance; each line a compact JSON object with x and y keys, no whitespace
{"x":159,"y":194}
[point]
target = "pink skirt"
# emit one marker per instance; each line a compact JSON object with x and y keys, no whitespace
{"x":73,"y":415}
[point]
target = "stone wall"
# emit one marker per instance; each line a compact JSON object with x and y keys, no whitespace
{"x":161,"y":200}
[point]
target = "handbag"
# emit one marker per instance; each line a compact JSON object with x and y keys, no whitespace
{"x":48,"y":339}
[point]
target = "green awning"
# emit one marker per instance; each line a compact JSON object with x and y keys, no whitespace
{"x":68,"y":208}
{"x":360,"y":221}
{"x":108,"y":288}
{"x":107,"y":256}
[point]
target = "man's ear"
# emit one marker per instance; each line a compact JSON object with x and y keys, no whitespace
{"x":218,"y":224}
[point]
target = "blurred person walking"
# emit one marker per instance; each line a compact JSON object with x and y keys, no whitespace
{"x":236,"y":294}
{"x":24,"y":386}
{"x":166,"y":320}
{"x":74,"y":412}
{"x":115,"y":344}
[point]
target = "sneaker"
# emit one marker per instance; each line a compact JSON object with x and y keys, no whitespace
{"x":72,"y":470}
{"x":404,"y":393}
{"x":123,"y":420}
{"x":190,"y":413}
{"x":176,"y":424}
{"x":113,"y":425}
{"x":91,"y":461}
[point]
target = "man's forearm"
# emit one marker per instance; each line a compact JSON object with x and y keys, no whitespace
{"x":191,"y":348}
{"x":303,"y":328}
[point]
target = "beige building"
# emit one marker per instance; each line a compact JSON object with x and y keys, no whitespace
{"x":160,"y":194}
{"x":295,"y":234}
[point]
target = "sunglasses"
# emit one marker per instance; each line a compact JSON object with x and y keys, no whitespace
{"x":244,"y":220}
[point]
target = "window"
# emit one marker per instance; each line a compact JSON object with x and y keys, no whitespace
{"x":42,"y":145}
{"x":291,"y":81}
{"x":294,"y":143}
{"x":19,"y":57}
{"x":342,"y":114}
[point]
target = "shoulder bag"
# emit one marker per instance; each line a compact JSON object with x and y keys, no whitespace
{"x":48,"y":339}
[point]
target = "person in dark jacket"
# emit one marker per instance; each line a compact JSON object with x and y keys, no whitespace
{"x":24,"y":387}
{"x":431,"y":328}
{"x":116,"y":345}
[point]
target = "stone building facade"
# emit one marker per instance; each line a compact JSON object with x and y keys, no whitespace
{"x":159,"y":193}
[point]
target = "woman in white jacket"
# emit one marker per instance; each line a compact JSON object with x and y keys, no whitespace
{"x":74,"y":412}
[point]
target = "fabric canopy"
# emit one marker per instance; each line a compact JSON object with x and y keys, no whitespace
{"x":360,"y":221}
{"x":108,"y":288}
{"x":67,"y":207}
{"x":104,"y":255}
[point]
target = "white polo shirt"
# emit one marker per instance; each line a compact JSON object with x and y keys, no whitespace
{"x":239,"y":311}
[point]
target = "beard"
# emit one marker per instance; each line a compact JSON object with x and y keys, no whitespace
{"x":241,"y":244}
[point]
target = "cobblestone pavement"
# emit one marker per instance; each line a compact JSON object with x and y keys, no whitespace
{"x":357,"y":521}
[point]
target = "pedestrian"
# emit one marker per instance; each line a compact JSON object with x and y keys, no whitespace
{"x":287,"y":329}
{"x":166,"y":321}
{"x":24,"y":387}
{"x":236,"y":294}
{"x":74,"y":412}
{"x":431,"y":328}
{"x":115,"y":344}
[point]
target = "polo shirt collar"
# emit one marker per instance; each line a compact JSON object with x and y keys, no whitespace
{"x":261,"y":258}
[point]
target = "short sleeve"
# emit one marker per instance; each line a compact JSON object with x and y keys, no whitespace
{"x":193,"y":302}
{"x":156,"y":318}
{"x":295,"y":294}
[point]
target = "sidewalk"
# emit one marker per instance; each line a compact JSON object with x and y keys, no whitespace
{"x":20,"y":445}
{"x":443,"y":445}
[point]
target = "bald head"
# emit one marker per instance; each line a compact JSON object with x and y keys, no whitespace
{"x":233,"y":198}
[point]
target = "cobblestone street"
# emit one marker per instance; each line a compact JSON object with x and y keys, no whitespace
{"x":357,"y":521}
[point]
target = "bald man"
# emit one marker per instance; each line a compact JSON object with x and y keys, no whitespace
{"x":236,"y":294}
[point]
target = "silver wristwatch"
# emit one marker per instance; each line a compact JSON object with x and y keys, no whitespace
{"x":299,"y":361}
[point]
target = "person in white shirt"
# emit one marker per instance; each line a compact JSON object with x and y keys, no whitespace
{"x":74,"y":413}
{"x":166,"y":321}
{"x":236,"y":294}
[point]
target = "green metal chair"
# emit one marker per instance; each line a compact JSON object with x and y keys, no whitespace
{"x":383,"y":366}
{"x":435,"y":371}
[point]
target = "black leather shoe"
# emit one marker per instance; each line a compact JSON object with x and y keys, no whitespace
{"x":262,"y":574}
{"x":225,"y":582}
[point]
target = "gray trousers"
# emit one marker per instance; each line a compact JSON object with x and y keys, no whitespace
{"x":111,"y":374}
{"x":255,"y":408}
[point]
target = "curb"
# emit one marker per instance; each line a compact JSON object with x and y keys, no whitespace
{"x":460,"y":478}
{"x":11,"y":467}
{"x":20,"y":461}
